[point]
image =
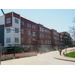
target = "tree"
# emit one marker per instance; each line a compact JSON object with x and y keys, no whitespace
{"x":72,"y":32}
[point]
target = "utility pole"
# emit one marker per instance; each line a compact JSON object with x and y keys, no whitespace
{"x":66,"y":37}
{"x":2,"y":11}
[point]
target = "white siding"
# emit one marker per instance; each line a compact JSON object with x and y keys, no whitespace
{"x":7,"y":35}
{"x":2,"y":20}
{"x":12,"y":35}
{"x":18,"y":35}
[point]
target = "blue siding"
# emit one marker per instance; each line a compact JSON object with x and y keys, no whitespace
{"x":2,"y":34}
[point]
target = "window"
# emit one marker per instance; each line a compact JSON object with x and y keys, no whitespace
{"x":22,"y":40}
{"x":45,"y":30}
{"x":33,"y":33}
{"x":16,"y":30}
{"x":29,"y":40}
{"x":28,"y":25}
{"x":33,"y":26}
{"x":45,"y":36}
{"x":29,"y":32}
{"x":8,"y":20}
{"x":16,"y":20}
{"x":40,"y":28}
{"x":8,"y":40}
{"x":16,"y":40}
{"x":50,"y":32}
{"x":48,"y":41}
{"x":33,"y":39}
{"x":45,"y":41}
{"x":50,"y":37}
{"x":22,"y":31}
{"x":40,"y":35}
{"x":41,"y":41}
{"x":23,"y":23}
{"x":8,"y":30}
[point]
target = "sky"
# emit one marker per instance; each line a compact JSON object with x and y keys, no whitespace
{"x":58,"y":19}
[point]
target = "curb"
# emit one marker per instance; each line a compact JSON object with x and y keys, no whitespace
{"x":65,"y":59}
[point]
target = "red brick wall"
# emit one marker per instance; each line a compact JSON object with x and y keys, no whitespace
{"x":16,"y":15}
{"x":26,"y":29}
{"x":52,"y":38}
{"x":45,"y":33}
{"x":8,"y":15}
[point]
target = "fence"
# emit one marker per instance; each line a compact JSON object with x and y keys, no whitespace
{"x":11,"y":56}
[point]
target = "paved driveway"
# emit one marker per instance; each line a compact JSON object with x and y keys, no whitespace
{"x":50,"y":58}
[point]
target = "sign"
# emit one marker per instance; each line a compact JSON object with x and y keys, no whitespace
{"x":0,"y":53}
{"x":66,"y":37}
{"x":56,"y":47}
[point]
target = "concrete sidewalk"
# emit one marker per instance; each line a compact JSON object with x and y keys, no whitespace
{"x":49,"y":58}
{"x":62,"y":57}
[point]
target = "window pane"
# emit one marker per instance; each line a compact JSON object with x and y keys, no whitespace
{"x":29,"y":40}
{"x":22,"y":31}
{"x":16,"y":20}
{"x":33,"y":33}
{"x":8,"y":20}
{"x":27,"y":24}
{"x":16,"y":30}
{"x":23,"y":23}
{"x":7,"y":40}
{"x":30,"y":25}
{"x":16,"y":40}
{"x":8,"y":30}
{"x":34,"y":27}
{"x":22,"y":40}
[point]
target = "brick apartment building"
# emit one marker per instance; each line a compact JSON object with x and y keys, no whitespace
{"x":19,"y":30}
{"x":44,"y":36}
{"x":54,"y":37}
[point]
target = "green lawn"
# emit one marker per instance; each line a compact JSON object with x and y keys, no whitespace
{"x":71,"y":54}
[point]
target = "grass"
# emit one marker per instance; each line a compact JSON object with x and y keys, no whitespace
{"x":71,"y":54}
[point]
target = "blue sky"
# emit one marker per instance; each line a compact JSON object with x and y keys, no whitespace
{"x":58,"y":19}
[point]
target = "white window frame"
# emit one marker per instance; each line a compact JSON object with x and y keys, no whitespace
{"x":16,"y":30}
{"x":16,"y":40}
{"x":8,"y":30}
{"x":8,"y":40}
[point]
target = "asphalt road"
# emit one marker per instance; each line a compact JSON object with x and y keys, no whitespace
{"x":50,"y":58}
